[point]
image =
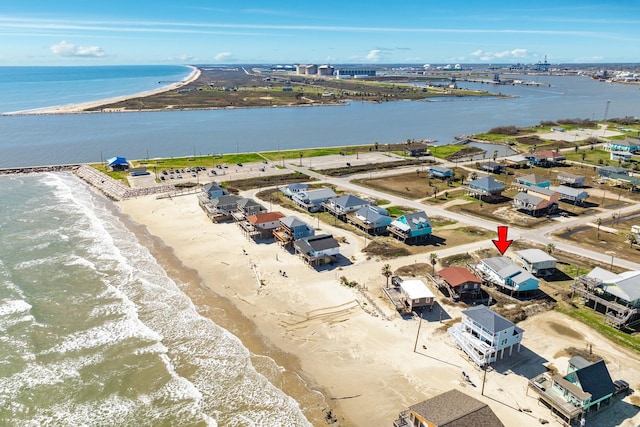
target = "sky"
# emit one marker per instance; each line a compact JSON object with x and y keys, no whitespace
{"x":117,"y":32}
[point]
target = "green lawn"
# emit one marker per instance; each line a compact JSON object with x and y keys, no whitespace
{"x":313,"y":152}
{"x":443,"y":151}
{"x":597,"y":157}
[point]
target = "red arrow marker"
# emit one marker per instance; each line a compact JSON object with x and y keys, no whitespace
{"x":502,"y":243}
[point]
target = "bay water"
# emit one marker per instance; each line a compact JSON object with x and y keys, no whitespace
{"x":85,"y":138}
{"x":94,"y":332}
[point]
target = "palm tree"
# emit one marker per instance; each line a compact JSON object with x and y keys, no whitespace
{"x":550,"y":248}
{"x":386,"y":272}
{"x":599,"y":223}
{"x":433,"y":257}
{"x":632,"y":238}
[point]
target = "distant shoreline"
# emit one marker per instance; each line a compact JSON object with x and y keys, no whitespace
{"x":81,"y":108}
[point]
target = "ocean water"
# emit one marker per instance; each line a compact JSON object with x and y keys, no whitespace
{"x":30,"y":88}
{"x":94,"y":332}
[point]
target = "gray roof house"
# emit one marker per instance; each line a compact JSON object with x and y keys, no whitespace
{"x":492,"y":167}
{"x":571,"y":194}
{"x":291,"y":229}
{"x":485,"y":186}
{"x":625,"y":287}
{"x":250,"y":207}
{"x":570,"y":179}
{"x":484,"y":334}
{"x":536,"y":200}
{"x":607,"y":171}
{"x":213,"y":190}
{"x":290,"y":189}
{"x":312,"y":200}
{"x":340,"y":206}
{"x":315,"y":250}
{"x":536,"y":261}
{"x":628,"y":144}
{"x":372,"y":219}
{"x":503,"y":272}
{"x":619,"y":293}
{"x":226,"y":204}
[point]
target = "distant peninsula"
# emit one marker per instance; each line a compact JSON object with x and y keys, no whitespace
{"x":241,"y":87}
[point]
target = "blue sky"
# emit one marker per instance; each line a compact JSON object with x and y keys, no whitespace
{"x":63,"y":32}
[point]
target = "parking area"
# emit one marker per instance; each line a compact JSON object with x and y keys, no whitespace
{"x":340,"y":161}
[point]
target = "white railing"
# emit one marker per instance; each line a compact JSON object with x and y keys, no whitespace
{"x":475,"y":349}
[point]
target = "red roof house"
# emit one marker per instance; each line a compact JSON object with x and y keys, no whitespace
{"x":459,"y":280}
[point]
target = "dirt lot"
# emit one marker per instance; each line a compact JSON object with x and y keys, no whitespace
{"x":615,"y":243}
{"x":415,"y":184}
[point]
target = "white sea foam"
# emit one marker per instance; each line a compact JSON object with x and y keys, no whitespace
{"x":9,"y":306}
{"x":143,"y":303}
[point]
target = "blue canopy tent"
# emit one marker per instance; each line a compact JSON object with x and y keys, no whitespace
{"x":117,"y":163}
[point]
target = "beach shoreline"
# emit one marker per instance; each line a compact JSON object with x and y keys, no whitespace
{"x":81,"y":108}
{"x":366,"y":367}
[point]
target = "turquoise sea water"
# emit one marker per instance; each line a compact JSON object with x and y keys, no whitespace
{"x":93,"y":332}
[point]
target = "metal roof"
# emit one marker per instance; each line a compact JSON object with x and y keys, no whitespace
{"x":293,"y":222}
{"x":348,"y":201}
{"x":502,"y":265}
{"x":571,"y":193}
{"x":488,"y":318}
{"x":416,"y":289}
{"x":534,"y":255}
{"x":533,"y":179}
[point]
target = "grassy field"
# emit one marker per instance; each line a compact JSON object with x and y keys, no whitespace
{"x":232,"y":87}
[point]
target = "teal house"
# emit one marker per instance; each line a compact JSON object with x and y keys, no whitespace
{"x":586,"y":388}
{"x":630,"y":145}
{"x":411,"y":228}
{"x":533,"y":180}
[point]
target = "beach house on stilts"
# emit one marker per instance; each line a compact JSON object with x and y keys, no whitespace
{"x":484,"y":335}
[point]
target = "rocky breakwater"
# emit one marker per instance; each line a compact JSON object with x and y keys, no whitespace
{"x":39,"y":169}
{"x":114,"y":189}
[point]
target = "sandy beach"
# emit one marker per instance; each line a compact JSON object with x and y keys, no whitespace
{"x":82,"y":107}
{"x":345,"y":349}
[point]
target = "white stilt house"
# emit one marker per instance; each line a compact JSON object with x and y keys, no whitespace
{"x":485,"y":335}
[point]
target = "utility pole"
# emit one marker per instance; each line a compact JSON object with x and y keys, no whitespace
{"x":484,"y":379}
{"x":604,"y":122}
{"x":415,"y":346}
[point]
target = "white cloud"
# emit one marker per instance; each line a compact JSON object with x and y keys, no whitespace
{"x":374,"y":55}
{"x":505,"y":54}
{"x":222,"y":56}
{"x":67,"y":49}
